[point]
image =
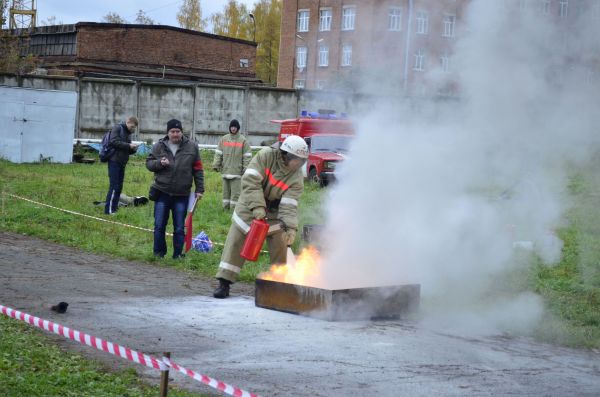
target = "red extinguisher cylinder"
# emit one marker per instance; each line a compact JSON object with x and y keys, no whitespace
{"x":255,"y":239}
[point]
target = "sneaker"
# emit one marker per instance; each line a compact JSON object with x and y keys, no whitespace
{"x":222,"y":291}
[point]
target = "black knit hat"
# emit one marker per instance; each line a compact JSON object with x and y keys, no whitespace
{"x":174,"y":123}
{"x":234,"y":123}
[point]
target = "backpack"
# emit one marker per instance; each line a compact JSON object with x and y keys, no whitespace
{"x":106,"y":149}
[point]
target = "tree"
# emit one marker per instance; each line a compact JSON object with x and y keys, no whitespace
{"x":234,"y":21}
{"x":11,"y":61}
{"x":143,"y":19}
{"x":113,"y":17}
{"x":267,"y":14}
{"x":51,"y":20}
{"x":190,"y":15}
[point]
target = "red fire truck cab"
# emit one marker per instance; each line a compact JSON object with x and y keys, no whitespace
{"x":328,"y":137}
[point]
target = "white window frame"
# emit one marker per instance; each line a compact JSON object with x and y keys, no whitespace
{"x":449,"y":24}
{"x":564,"y":8}
{"x":395,"y":19}
{"x":303,"y":20}
{"x":301,"y":57}
{"x":445,"y":63}
{"x":321,"y":84}
{"x":325,"y":20}
{"x":346,"y":55}
{"x":323,"y":56}
{"x":348,"y":17}
{"x":545,"y":7}
{"x":422,"y":22}
{"x":299,"y":84}
{"x":419,"y":64}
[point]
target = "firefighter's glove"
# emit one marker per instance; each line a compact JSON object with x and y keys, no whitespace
{"x":289,"y":236}
{"x":259,"y":212}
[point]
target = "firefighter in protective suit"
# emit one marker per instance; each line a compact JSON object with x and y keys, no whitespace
{"x":232,"y":157}
{"x":271,"y":188}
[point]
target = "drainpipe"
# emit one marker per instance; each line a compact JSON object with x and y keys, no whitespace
{"x":407,"y":46}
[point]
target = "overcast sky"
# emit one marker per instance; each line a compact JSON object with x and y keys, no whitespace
{"x":161,"y":11}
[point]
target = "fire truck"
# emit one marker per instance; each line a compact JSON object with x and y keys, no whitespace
{"x":328,"y":137}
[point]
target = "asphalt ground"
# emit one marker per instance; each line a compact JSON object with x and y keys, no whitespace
{"x":156,"y":309}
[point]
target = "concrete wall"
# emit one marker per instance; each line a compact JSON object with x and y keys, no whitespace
{"x":204,"y":110}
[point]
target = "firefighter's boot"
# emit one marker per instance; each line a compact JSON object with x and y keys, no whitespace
{"x":222,"y":291}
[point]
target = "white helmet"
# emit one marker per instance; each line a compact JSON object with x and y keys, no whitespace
{"x":295,"y":145}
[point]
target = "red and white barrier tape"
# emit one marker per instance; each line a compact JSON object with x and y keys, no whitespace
{"x":215,"y":384}
{"x":85,"y":339}
{"x":123,"y":352}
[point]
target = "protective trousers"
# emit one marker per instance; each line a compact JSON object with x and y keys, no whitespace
{"x":231,"y":261}
{"x":231,"y":192}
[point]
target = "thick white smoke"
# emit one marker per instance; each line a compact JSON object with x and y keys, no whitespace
{"x":448,"y":195}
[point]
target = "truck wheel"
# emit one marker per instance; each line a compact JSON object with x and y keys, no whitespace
{"x":314,"y":178}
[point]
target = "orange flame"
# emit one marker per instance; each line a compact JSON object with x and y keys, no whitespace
{"x":304,"y":272}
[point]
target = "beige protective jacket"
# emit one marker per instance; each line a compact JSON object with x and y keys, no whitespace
{"x":232,"y":156}
{"x":268,"y":183}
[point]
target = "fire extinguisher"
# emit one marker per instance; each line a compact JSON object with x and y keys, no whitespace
{"x":254,"y":239}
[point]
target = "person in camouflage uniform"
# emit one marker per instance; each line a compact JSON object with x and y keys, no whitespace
{"x":231,"y":159}
{"x":271,"y":188}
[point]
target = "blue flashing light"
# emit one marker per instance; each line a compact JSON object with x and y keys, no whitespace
{"x":323,"y":116}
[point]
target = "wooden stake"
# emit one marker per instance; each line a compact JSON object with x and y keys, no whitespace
{"x":164,"y":379}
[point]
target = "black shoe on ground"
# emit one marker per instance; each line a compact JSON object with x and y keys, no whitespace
{"x":140,"y":200}
{"x":222,"y":290}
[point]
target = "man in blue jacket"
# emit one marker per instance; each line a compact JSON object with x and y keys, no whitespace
{"x":120,"y":139}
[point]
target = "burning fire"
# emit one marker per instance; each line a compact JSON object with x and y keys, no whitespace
{"x":304,"y":272}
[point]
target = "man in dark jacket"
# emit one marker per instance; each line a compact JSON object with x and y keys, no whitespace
{"x":176,"y":162}
{"x":120,"y":139}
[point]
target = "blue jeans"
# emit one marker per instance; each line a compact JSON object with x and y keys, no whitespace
{"x":116,"y":176}
{"x":162,"y":207}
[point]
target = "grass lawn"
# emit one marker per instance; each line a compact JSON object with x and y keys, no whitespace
{"x":571,"y":289}
{"x":76,"y":186}
{"x":30,"y":366}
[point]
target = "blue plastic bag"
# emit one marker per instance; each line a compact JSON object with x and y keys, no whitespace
{"x":202,"y":243}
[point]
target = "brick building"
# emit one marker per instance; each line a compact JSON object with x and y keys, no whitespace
{"x":401,"y":46}
{"x":105,"y":49}
{"x":339,"y":43}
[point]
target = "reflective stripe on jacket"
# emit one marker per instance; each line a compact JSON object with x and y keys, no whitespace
{"x":267,"y":179}
{"x":232,"y":156}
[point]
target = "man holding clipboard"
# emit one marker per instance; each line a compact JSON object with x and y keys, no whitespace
{"x":176,"y":163}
